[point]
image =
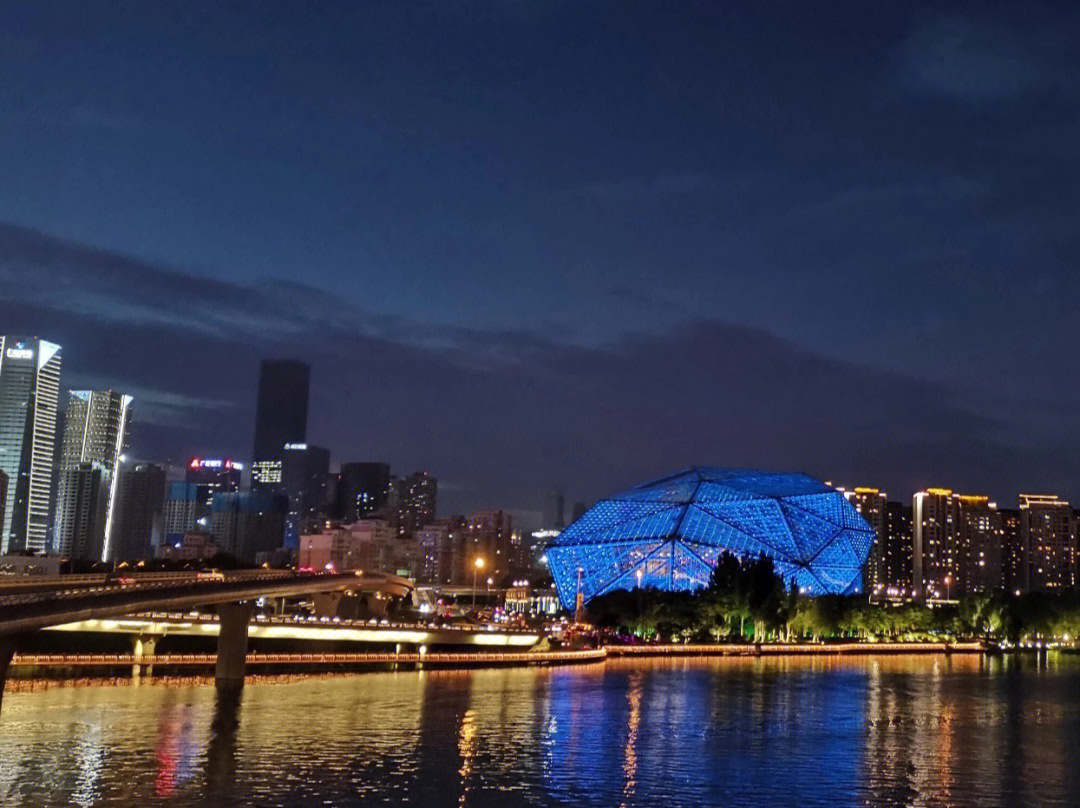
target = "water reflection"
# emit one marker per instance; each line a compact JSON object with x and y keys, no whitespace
{"x":221,"y":750}
{"x":888,"y":731}
{"x":633,"y":723}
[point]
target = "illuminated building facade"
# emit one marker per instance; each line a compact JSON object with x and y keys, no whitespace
{"x":669,"y":533}
{"x":896,"y":552}
{"x":213,"y":475}
{"x":871,"y":504}
{"x":488,"y":536}
{"x":188,"y":505}
{"x":442,"y":545}
{"x":957,"y":545}
{"x":96,"y":428}
{"x":416,"y":497}
{"x":1047,"y":542}
{"x":305,"y":476}
{"x":29,"y":395}
{"x":1012,"y":552}
{"x":281,"y":414}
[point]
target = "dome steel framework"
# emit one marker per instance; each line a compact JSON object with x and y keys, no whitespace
{"x":669,"y":533}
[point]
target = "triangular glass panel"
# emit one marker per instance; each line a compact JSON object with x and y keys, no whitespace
{"x":761,"y":519}
{"x":811,"y":532}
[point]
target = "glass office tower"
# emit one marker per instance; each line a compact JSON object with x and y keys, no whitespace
{"x":29,"y":389}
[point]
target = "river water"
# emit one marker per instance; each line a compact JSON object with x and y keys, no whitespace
{"x":875,"y":731}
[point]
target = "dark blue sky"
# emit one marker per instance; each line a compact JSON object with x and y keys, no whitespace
{"x":529,"y":244}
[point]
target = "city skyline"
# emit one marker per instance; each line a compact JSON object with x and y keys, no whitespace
{"x":534,"y":513}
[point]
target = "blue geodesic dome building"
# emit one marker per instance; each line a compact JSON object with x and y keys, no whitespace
{"x":669,"y":533}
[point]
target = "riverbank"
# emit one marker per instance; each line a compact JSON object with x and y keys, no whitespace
{"x":802,"y":649}
{"x":60,"y":666}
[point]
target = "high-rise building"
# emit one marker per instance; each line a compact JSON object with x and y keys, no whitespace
{"x":488,"y":537}
{"x":871,"y":505}
{"x":138,"y":524}
{"x":958,"y":541}
{"x":578,"y":511}
{"x":3,"y":495}
{"x":280,"y":417}
{"x":188,"y":505}
{"x":555,"y":511}
{"x":1012,"y":552}
{"x":416,"y":499}
{"x":96,"y":428}
{"x":442,"y":544}
{"x":213,"y":475}
{"x":896,"y":561}
{"x":248,"y":524}
{"x":1048,"y":542}
{"x":305,"y":471}
{"x":362,"y":489}
{"x":82,"y":500}
{"x":29,"y":392}
{"x":186,"y":509}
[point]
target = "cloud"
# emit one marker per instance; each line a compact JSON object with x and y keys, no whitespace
{"x":641,"y":189}
{"x":506,"y":415}
{"x":971,"y":60}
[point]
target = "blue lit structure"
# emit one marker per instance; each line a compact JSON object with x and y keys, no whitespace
{"x":668,"y":534}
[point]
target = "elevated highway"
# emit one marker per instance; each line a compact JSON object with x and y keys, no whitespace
{"x":26,"y":607}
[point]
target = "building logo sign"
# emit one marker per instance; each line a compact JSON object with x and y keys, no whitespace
{"x":20,"y":351}
{"x":214,"y":463}
{"x":296,"y":447}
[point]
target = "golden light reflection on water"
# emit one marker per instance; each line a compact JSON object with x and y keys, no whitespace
{"x":633,"y":723}
{"x":877,"y":731}
{"x":467,"y":750}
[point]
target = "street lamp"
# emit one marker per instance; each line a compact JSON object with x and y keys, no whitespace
{"x":478,"y":565}
{"x":948,"y":584}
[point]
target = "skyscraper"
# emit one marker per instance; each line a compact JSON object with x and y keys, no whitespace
{"x":280,"y":417}
{"x":138,"y":521}
{"x":82,"y":499}
{"x":416,"y":501}
{"x":29,"y":390}
{"x":554,"y":511}
{"x":362,"y":489}
{"x":96,"y":425}
{"x":305,"y":472}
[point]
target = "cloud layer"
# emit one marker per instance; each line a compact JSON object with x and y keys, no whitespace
{"x":504,"y":416}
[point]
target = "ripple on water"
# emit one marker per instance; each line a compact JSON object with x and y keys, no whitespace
{"x":876,"y":731}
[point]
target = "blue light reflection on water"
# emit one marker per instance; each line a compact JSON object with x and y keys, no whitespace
{"x":961,"y":731}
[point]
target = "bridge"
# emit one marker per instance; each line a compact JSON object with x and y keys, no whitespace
{"x":27,"y":605}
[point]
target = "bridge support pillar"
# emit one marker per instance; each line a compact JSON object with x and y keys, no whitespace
{"x":233,"y":619}
{"x":142,"y":648}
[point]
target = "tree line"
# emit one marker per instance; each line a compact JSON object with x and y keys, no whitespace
{"x":747,"y":601}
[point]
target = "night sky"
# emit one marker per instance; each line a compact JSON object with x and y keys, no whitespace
{"x":528,"y":245}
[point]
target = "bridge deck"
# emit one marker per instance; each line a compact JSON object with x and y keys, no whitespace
{"x":22,"y":612}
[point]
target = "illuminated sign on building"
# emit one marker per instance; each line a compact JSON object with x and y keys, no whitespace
{"x":20,"y":353}
{"x":296,"y":447}
{"x":215,"y":463}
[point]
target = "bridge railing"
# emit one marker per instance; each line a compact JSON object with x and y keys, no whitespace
{"x":208,"y":660}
